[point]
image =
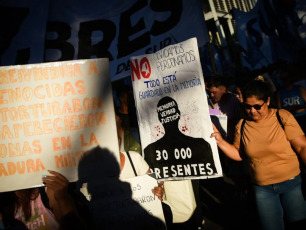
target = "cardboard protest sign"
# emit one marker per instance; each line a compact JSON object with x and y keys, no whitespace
{"x":173,"y":113}
{"x":49,"y":115}
{"x":141,"y":187}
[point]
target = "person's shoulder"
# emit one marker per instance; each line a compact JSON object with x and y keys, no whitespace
{"x":229,"y":97}
{"x":283,"y":113}
{"x":239,"y":124}
{"x":154,"y":144}
{"x":234,"y":98}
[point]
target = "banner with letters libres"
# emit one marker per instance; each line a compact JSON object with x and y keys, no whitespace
{"x":36,"y":31}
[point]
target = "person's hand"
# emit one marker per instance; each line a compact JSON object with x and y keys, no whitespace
{"x":216,"y":134}
{"x":57,"y":192}
{"x":159,"y":190}
{"x":58,"y":183}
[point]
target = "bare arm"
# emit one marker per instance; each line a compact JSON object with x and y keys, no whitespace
{"x":299,"y":145}
{"x":226,"y":147}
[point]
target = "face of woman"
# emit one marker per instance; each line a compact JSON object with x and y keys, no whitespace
{"x":256,"y":109}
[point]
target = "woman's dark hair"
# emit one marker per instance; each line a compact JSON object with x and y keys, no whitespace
{"x":25,"y":197}
{"x":257,"y":88}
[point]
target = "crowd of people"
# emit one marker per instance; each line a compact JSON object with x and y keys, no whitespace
{"x":262,"y":153}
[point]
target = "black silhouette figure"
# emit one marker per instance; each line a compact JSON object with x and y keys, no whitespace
{"x":111,"y":201}
{"x":176,"y":155}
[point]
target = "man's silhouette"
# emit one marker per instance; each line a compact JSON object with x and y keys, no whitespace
{"x":111,"y":203}
{"x":176,"y":155}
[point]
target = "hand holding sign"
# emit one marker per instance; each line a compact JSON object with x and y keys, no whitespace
{"x":173,"y":115}
{"x":57,"y":192}
{"x":159,"y":190}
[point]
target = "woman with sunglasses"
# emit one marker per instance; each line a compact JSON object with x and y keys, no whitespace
{"x":274,"y":165}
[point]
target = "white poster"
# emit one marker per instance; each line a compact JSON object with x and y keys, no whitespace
{"x":49,"y":115}
{"x":141,"y":187}
{"x":173,"y":113}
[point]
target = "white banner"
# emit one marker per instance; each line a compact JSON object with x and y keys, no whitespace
{"x":141,"y":187}
{"x":173,"y":113}
{"x":49,"y":115}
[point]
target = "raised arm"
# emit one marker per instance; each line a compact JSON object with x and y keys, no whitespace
{"x":227,"y":148}
{"x":61,"y":202}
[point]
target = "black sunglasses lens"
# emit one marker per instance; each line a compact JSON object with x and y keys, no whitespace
{"x":257,"y":107}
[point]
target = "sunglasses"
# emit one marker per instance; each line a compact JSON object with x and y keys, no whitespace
{"x":257,"y":107}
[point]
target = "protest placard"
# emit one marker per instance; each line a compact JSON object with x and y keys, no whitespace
{"x":173,"y":113}
{"x":141,"y":187}
{"x":49,"y":115}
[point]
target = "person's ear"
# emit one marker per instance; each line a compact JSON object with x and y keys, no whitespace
{"x":222,"y":88}
{"x":268,"y":101}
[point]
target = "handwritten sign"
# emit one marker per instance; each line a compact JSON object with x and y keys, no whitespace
{"x":141,"y":187}
{"x":49,"y":115}
{"x":173,"y":113}
{"x":125,"y":204}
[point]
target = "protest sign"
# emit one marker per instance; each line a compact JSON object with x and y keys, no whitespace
{"x":173,"y":113}
{"x":141,"y":187}
{"x":125,"y":204}
{"x":49,"y":115}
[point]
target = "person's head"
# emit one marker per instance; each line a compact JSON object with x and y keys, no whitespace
{"x":25,"y":196}
{"x":256,"y":99}
{"x":168,"y":111}
{"x":95,"y":166}
{"x":125,"y":94}
{"x":217,"y":87}
{"x":239,"y":94}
